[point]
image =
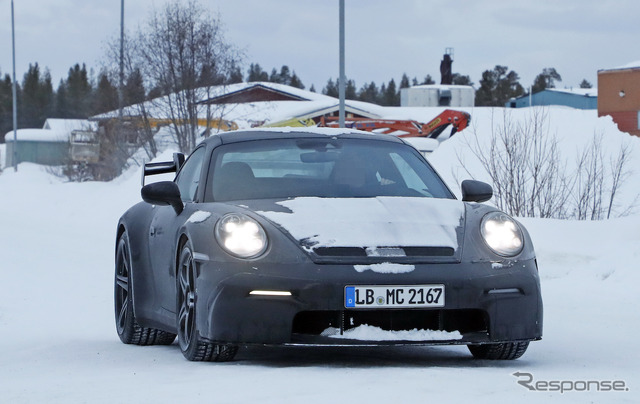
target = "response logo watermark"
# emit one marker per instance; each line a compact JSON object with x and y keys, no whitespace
{"x":527,"y":381}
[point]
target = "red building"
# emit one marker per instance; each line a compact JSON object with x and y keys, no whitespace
{"x":619,"y":96}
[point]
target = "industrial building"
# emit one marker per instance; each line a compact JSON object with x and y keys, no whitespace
{"x":619,"y":96}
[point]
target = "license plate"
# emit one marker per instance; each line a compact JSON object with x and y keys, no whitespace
{"x":394,"y":296}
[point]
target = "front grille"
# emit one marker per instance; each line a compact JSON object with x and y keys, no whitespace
{"x":340,"y":252}
{"x":462,"y":320}
{"x":362,"y":252}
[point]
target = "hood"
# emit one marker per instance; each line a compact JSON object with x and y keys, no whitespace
{"x":382,"y":227}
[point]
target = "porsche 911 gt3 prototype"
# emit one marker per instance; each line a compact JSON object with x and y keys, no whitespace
{"x":320,"y":237}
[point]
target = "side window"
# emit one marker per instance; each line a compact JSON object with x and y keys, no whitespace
{"x":189,"y":175}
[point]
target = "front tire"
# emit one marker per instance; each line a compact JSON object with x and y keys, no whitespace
{"x":192,"y":345}
{"x":129,"y":331}
{"x":502,"y":351}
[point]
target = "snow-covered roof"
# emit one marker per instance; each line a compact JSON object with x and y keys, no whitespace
{"x":68,"y":125}
{"x":349,"y":107}
{"x":38,"y":135}
{"x":152,"y":107}
{"x":587,"y":92}
{"x":53,"y":130}
{"x":442,"y":86}
{"x":260,"y":112}
{"x":631,"y":65}
{"x":232,"y":88}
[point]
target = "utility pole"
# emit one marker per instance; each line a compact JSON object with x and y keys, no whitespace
{"x":341,"y":84}
{"x":15,"y":96}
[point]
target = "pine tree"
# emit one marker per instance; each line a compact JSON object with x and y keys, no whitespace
{"x":350,"y":90}
{"x":404,"y":82}
{"x":256,"y":73}
{"x":369,"y":93}
{"x":106,"y":97}
{"x":461,"y":80}
{"x":295,"y":81}
{"x":383,"y":90}
{"x":498,"y":86}
{"x":61,"y":109}
{"x":428,"y":80}
{"x":312,"y":88}
{"x":585,"y":84}
{"x":390,"y":96}
{"x":208,"y":77}
{"x":133,"y":90}
{"x":545,"y":80}
{"x":6,"y":106}
{"x":79,"y":92}
{"x":331,"y":89}
{"x":274,"y":77}
{"x":284,"y":76}
{"x":37,"y":98}
{"x":235,"y":75}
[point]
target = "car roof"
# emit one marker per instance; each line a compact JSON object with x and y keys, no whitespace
{"x":297,"y":133}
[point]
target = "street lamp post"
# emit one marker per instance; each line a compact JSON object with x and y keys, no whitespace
{"x":341,"y":84}
{"x":15,"y":96}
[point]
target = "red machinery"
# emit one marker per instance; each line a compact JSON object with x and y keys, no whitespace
{"x":406,"y":128}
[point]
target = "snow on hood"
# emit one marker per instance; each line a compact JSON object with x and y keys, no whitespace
{"x":371,"y":222}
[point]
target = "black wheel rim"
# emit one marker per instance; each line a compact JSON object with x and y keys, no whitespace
{"x":186,"y":299}
{"x":122,"y":286}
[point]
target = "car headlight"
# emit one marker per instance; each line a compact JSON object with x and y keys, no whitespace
{"x":502,"y":234}
{"x":241,"y":235}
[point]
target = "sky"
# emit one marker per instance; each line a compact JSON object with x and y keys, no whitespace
{"x":384,"y":39}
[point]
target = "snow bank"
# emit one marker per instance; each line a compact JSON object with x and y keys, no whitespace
{"x":59,"y":343}
{"x":574,"y":130}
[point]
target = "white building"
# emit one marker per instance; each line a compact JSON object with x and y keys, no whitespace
{"x":438,"y":95}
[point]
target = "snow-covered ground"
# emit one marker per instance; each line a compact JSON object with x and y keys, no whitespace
{"x":58,"y":341}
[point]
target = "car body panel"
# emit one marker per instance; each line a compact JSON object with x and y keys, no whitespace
{"x":499,"y":296}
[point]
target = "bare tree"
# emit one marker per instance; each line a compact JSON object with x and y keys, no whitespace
{"x":619,"y":174}
{"x":524,"y":166}
{"x":589,"y":185}
{"x":184,"y":54}
{"x":530,"y":177}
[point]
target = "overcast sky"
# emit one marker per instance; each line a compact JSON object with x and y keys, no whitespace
{"x":384,"y":39}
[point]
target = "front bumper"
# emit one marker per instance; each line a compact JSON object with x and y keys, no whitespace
{"x":485,"y":304}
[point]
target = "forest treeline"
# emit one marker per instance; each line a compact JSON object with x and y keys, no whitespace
{"x":154,"y":67}
{"x":82,"y":94}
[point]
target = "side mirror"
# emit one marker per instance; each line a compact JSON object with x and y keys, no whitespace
{"x":163,"y":193}
{"x":476,"y":191}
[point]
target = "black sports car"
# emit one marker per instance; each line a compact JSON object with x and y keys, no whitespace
{"x":320,"y":237}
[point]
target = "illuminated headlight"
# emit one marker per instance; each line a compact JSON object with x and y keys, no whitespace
{"x":502,"y":234}
{"x":241,"y":236}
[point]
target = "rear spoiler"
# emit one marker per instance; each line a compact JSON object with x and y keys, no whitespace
{"x":163,"y":167}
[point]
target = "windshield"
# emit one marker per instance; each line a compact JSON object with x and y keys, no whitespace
{"x":323,"y":167}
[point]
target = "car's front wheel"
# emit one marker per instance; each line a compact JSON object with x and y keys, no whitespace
{"x":192,"y":345}
{"x":129,"y":331}
{"x":502,"y":351}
